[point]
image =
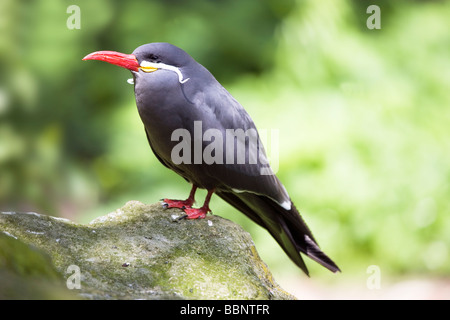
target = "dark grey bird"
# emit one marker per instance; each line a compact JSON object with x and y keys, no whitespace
{"x":197,"y":129}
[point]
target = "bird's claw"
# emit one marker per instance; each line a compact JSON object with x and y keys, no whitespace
{"x":193,"y":213}
{"x":176,"y":218}
{"x":186,"y":206}
{"x":165,"y":205}
{"x":181,"y":204}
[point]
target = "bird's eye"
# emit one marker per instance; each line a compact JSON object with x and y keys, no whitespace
{"x":153,"y":57}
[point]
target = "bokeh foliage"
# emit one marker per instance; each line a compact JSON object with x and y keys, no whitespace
{"x":363,"y":115}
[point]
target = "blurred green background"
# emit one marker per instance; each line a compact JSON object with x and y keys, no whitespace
{"x":363,"y":116}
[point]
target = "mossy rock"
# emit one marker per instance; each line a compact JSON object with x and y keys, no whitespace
{"x":143,"y":252}
{"x":28,"y":273}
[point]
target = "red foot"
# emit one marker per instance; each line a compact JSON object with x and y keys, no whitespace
{"x":186,"y":205}
{"x":193,"y":213}
{"x":182,"y":204}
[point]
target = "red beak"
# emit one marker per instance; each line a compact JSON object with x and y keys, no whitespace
{"x":123,"y":60}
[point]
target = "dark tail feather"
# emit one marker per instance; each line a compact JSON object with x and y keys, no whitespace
{"x":286,"y":226}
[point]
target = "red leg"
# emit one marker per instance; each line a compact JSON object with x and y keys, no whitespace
{"x":182,"y":204}
{"x":200,"y":213}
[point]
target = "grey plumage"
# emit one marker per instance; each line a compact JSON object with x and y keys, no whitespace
{"x":180,"y":95}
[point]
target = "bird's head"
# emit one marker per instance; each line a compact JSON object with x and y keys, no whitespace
{"x":148,"y":58}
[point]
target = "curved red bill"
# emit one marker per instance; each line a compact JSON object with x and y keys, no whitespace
{"x":123,"y":60}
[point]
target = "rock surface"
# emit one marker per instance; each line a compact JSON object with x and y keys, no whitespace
{"x":137,"y":252}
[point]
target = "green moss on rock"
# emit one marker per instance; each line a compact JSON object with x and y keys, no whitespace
{"x":141,"y":252}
